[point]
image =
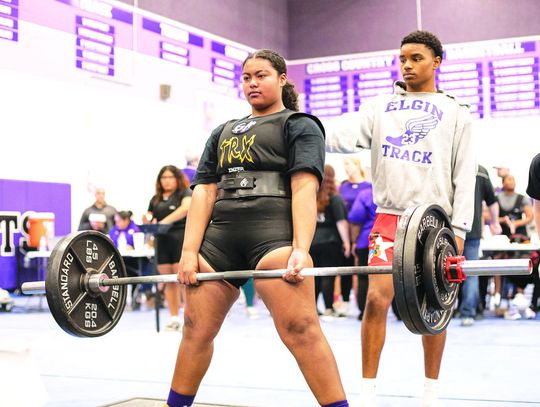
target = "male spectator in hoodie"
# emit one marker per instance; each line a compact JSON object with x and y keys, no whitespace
{"x":421,"y":152}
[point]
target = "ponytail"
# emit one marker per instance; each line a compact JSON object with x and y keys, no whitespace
{"x":290,"y":97}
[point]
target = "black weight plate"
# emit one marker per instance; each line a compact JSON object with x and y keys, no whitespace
{"x":79,"y":311}
{"x":439,"y":245}
{"x":397,"y":270}
{"x":424,"y":319}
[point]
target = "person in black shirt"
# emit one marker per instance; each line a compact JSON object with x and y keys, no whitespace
{"x":470,"y":289}
{"x":533,"y":189}
{"x":331,"y":243}
{"x":100,"y":206}
{"x":254,"y":207}
{"x":170,"y":205}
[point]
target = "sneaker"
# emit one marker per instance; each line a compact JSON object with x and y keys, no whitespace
{"x":252,"y":312}
{"x":496,"y":300}
{"x":520,"y":302}
{"x":341,"y":309}
{"x":173,"y":326}
{"x":529,"y":313}
{"x":512,"y":315}
{"x":328,"y":315}
{"x":467,"y":321}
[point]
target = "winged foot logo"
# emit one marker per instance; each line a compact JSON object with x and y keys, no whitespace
{"x":416,"y":129}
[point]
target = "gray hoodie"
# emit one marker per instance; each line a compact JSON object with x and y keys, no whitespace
{"x":421,"y":151}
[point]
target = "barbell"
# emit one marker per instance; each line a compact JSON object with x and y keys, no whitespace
{"x":86,"y":277}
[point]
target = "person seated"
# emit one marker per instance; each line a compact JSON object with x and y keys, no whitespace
{"x":99,"y":206}
{"x":123,"y":230}
{"x":121,"y":235}
{"x":96,"y":221}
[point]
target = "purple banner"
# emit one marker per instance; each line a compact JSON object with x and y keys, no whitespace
{"x":7,"y":10}
{"x":102,"y":9}
{"x":171,"y":32}
{"x":10,"y":2}
{"x":122,"y":15}
{"x":17,"y":199}
{"x":105,"y":49}
{"x":8,"y":23}
{"x":94,"y":67}
{"x":151,"y":25}
{"x":94,"y":25}
{"x":510,"y":68}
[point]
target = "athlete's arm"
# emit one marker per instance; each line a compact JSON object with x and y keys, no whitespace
{"x":350,"y":132}
{"x":304,"y":187}
{"x":198,"y":217}
{"x":527,"y":211}
{"x":537,"y":215}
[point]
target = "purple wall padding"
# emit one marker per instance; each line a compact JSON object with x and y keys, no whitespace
{"x":317,"y":28}
{"x":257,"y":24}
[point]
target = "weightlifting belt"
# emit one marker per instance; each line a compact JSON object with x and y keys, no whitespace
{"x":254,"y":183}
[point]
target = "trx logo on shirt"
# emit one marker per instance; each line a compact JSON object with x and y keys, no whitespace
{"x":230,"y":149}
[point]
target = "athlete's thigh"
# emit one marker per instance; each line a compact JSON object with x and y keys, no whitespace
{"x":283,"y":299}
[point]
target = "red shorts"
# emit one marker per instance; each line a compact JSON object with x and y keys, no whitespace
{"x":381,"y":240}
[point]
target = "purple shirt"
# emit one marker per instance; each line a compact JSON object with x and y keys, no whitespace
{"x":114,"y":233}
{"x":363,"y":212}
{"x":348,"y":191}
{"x":189,"y":172}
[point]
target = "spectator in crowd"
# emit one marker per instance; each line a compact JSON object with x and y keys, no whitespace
{"x":249,"y":293}
{"x":361,"y":216}
{"x":514,"y":215}
{"x":331,"y":241}
{"x":192,"y":160}
{"x":99,"y":206}
{"x":122,"y":232}
{"x":122,"y":236}
{"x":515,"y":209}
{"x":533,"y":190}
{"x":97,"y":222}
{"x":356,"y":178}
{"x":470,"y":289}
{"x":170,"y":206}
{"x":502,"y":171}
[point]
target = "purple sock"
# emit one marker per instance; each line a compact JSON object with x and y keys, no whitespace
{"x":342,"y":403}
{"x":179,"y":400}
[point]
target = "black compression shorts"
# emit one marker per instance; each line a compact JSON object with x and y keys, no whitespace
{"x":244,"y":230}
{"x":169,"y":248}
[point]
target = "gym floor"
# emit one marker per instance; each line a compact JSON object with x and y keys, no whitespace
{"x":493,"y":363}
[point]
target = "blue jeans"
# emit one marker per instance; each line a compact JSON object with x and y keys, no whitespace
{"x":470,"y":294}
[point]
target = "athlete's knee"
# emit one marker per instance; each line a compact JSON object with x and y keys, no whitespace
{"x":379,"y":300}
{"x":299,"y":331}
{"x":198,"y":330}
